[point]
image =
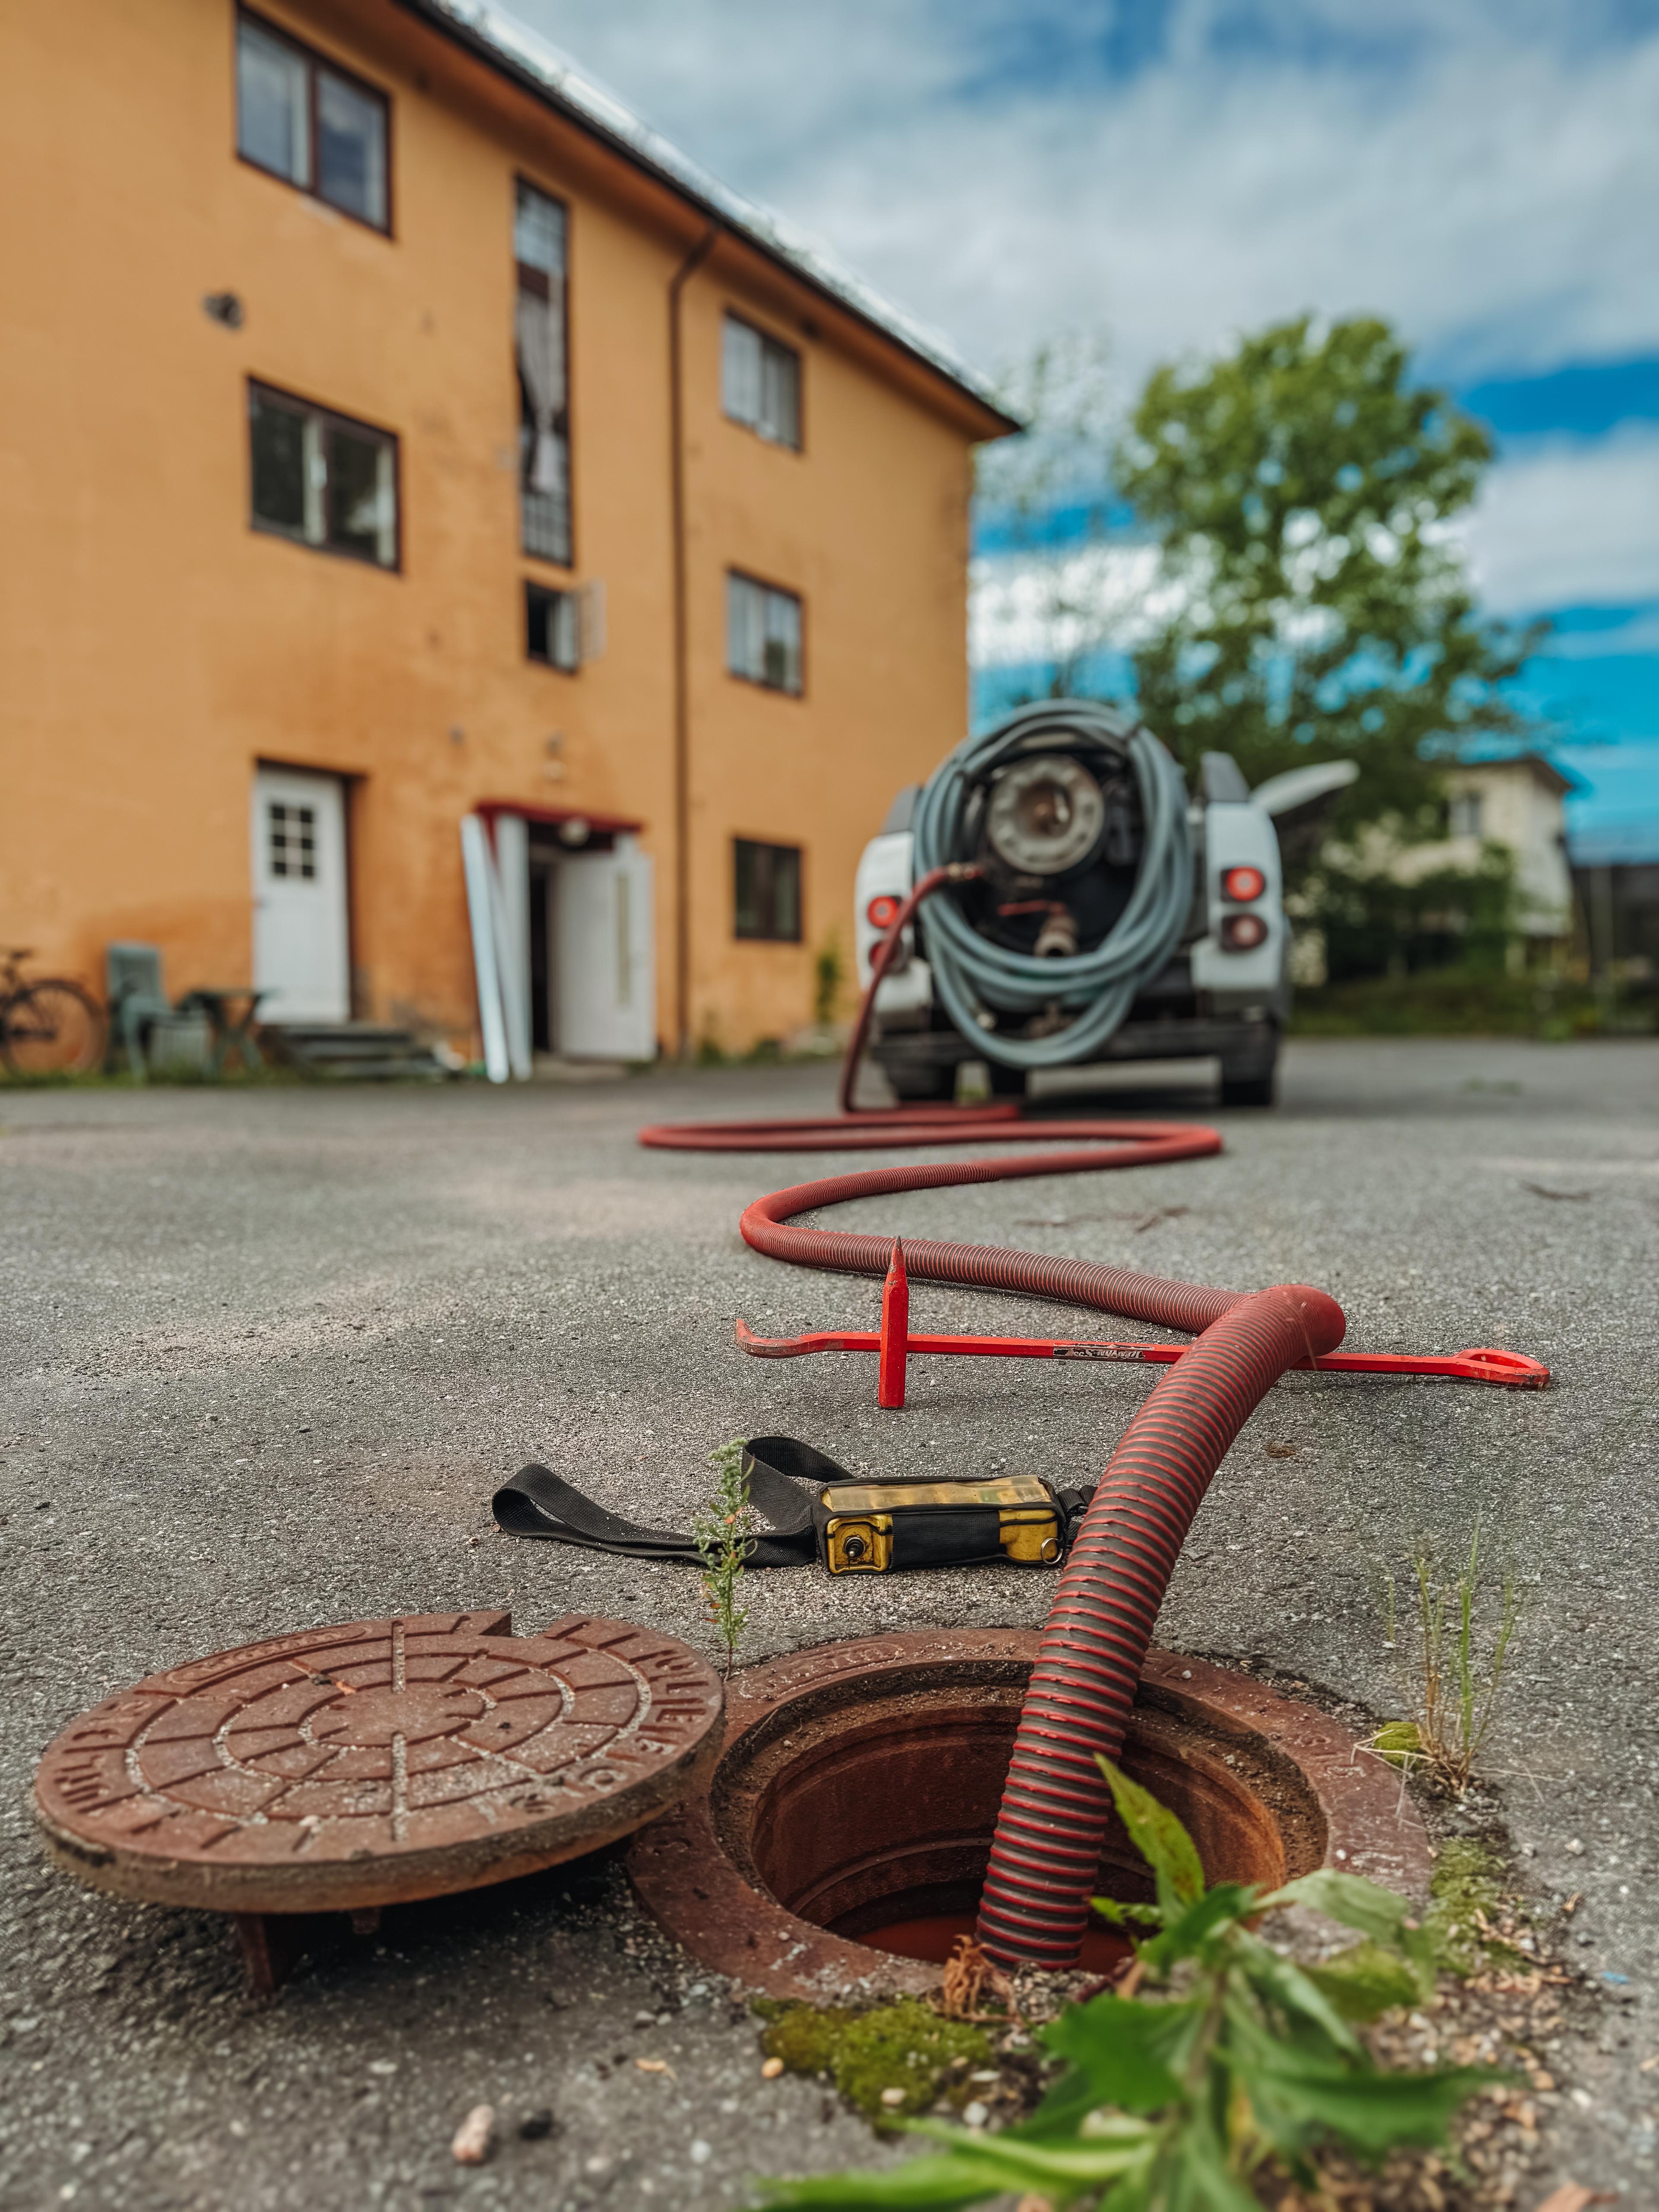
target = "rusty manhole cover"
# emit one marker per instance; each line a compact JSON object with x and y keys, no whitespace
{"x":341,"y":1769}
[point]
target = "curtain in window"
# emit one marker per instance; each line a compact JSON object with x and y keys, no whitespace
{"x":540,"y":339}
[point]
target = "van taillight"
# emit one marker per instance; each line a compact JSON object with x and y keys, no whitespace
{"x":1243,"y":885}
{"x":1242,"y":932}
{"x":883,"y":910}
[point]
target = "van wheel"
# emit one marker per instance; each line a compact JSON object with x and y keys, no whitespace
{"x":1257,"y":1088}
{"x":921,"y":1084}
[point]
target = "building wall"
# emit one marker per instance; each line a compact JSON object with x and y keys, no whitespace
{"x":157,"y":648}
{"x":869,"y":523}
{"x":1521,"y":812}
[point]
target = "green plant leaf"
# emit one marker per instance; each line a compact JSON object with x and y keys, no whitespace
{"x":1375,"y":1913}
{"x":975,"y":2169}
{"x":1285,"y":1985}
{"x":1121,"y":1915}
{"x":1228,"y":1903}
{"x":1120,"y":2053}
{"x":939,"y":2184}
{"x":1160,"y":1839}
{"x":1366,"y":1980}
{"x":1196,"y":2177}
{"x":1358,"y":1904}
{"x":1133,"y":2193}
{"x":1369,"y":2110}
{"x":1419,"y":1945}
{"x":1110,"y":2145}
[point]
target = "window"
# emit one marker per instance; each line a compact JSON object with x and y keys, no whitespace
{"x":293,"y":840}
{"x":302,"y":118}
{"x":759,"y":382}
{"x":322,"y":478}
{"x":552,"y":626}
{"x":763,"y":633}
{"x":1464,"y":815}
{"x":539,"y":333}
{"x":766,"y":904}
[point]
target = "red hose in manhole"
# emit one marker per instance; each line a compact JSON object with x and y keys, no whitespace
{"x":840,"y":1844}
{"x":1055,"y":1807}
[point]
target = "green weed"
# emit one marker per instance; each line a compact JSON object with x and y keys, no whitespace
{"x":721,"y":1531}
{"x":1460,"y":1663}
{"x":1235,"y":2057}
{"x":829,"y":974}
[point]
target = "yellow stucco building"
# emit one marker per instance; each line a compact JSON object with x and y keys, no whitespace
{"x":397,"y":432}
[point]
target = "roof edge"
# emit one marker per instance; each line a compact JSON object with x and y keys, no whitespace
{"x":1548,"y":772}
{"x":515,"y":50}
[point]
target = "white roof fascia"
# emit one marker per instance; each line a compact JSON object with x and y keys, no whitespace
{"x":524,"y":54}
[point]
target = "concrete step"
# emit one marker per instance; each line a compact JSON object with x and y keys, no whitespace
{"x":368,"y":1051}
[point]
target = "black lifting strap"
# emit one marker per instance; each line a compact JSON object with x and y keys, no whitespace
{"x":539,"y":1503}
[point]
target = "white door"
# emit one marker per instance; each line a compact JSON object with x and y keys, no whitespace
{"x":604,"y":940}
{"x":301,"y":952}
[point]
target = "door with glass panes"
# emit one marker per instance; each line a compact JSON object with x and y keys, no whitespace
{"x":301,"y":952}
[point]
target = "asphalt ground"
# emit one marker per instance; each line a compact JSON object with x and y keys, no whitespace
{"x":267,"y":1352}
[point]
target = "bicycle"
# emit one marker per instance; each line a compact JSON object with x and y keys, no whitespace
{"x":48,"y":1024}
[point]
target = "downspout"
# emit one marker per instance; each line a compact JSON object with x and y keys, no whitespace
{"x":676,"y":285}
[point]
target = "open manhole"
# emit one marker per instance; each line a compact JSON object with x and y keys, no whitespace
{"x":842,"y":1840}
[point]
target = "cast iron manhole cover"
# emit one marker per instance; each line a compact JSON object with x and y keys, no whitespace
{"x":343,"y":1768}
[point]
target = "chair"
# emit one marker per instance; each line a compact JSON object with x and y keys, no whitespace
{"x":137,"y":1001}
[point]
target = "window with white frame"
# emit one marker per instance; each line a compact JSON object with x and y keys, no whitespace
{"x":540,"y":333}
{"x":763,"y":633}
{"x":322,"y":478}
{"x":759,"y":382}
{"x":1463,"y":814}
{"x":302,"y":118}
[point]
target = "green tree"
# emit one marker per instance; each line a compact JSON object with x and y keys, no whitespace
{"x":1311,"y":604}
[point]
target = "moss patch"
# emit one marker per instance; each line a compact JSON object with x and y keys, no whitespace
{"x":1469,"y":1903}
{"x":1400,"y":1743}
{"x":898,"y":2047}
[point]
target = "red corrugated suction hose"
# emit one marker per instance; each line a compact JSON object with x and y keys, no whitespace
{"x":1056,"y":1806}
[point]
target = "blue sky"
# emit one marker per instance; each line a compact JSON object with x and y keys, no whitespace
{"x":1161,"y":175}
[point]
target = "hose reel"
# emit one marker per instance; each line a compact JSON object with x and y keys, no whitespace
{"x":1077,"y":817}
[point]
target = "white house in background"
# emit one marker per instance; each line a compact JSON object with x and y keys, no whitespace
{"x":1515,"y":802}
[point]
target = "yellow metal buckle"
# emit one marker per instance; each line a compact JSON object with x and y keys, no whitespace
{"x":860,"y":1544}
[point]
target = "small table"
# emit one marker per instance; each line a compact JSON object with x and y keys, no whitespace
{"x":232,"y":1032}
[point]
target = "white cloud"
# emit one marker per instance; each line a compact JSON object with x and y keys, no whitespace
{"x":1571,"y":522}
{"x":1049,"y":607}
{"x":1481,"y":172}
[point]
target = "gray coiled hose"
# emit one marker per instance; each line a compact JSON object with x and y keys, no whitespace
{"x":972,"y":974}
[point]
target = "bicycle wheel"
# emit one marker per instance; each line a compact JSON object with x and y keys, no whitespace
{"x":52,"y":1028}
